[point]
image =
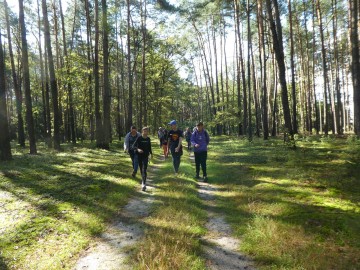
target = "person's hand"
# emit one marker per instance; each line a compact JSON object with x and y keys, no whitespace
{"x":140,"y":151}
{"x":197,"y":145}
{"x":150,"y":156}
{"x":177,"y":149}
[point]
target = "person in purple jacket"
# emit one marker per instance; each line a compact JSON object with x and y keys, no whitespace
{"x":200,"y":140}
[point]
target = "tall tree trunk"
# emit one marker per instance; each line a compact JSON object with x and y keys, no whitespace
{"x":143,"y":65}
{"x":218,"y":125}
{"x":324,"y":66}
{"x":263,"y":59}
{"x":249,"y":49}
{"x":53,"y":83}
{"x":5,"y":148}
{"x":89,"y":79}
{"x":293,"y":85}
{"x":355,"y":61}
{"x":242,"y":68}
{"x":107,"y":90}
{"x":308,"y":77}
{"x":26,"y":80}
{"x":17,"y":89}
{"x":69,"y":86}
{"x":276,"y":31}
{"x":130,"y":76}
{"x":99,"y":127}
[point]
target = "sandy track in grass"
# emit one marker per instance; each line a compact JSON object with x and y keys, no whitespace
{"x":221,"y":250}
{"x":112,"y":249}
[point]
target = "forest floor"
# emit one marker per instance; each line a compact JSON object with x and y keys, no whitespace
{"x":265,"y":207}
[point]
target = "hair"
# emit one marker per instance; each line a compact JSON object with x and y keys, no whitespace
{"x":145,"y":128}
{"x":133,"y":127}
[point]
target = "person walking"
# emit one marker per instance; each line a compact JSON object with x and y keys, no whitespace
{"x":200,"y":140}
{"x":175,"y":137}
{"x":142,"y":146}
{"x":130,"y":138}
{"x":187,"y":135}
{"x":163,"y":141}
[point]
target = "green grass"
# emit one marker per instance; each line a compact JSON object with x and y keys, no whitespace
{"x":172,"y":239}
{"x":53,"y":204}
{"x":293,"y":209}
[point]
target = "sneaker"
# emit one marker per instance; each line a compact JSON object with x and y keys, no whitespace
{"x":133,"y":174}
{"x":143,"y":187}
{"x":197,"y":176}
{"x":205,"y":179}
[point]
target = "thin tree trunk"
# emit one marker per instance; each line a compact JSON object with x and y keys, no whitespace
{"x":276,"y":31}
{"x":17,"y":89}
{"x":293,"y":85}
{"x":355,"y":63}
{"x":89,"y":79}
{"x":263,"y":59}
{"x":5,"y":148}
{"x":70,"y":92}
{"x":99,"y":135}
{"x":106,"y":77}
{"x":324,"y":66}
{"x":130,"y":76}
{"x":249,"y":49}
{"x":143,"y":66}
{"x":53,"y":83}
{"x":26,"y":80}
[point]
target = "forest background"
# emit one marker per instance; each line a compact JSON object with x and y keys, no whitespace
{"x":90,"y":69}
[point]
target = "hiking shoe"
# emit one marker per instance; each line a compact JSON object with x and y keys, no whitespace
{"x":133,"y":174}
{"x":205,"y":179}
{"x":197,"y":176}
{"x":143,"y":187}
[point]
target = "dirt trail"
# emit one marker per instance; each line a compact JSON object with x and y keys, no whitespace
{"x":220,"y":248}
{"x":112,"y":248}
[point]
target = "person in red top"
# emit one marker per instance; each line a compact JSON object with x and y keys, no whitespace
{"x":175,"y":137}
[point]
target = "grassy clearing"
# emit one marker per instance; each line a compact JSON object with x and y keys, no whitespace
{"x":53,"y":204}
{"x":175,"y":226}
{"x":293,"y":209}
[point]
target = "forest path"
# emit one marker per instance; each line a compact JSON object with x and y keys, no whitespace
{"x":220,"y":248}
{"x":112,"y":249}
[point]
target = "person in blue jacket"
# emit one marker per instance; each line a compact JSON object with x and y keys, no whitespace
{"x":200,"y":140}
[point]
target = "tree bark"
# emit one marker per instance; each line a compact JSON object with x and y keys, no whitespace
{"x":293,"y":85}
{"x":107,"y":90}
{"x":276,"y":31}
{"x":17,"y":89}
{"x":130,"y":75}
{"x":53,"y":83}
{"x":5,"y":148}
{"x":26,"y":80}
{"x":355,"y":63}
{"x":263,"y":58}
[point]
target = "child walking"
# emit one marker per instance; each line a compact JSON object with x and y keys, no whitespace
{"x":143,"y":150}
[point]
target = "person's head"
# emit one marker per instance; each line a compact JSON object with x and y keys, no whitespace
{"x":173,"y":124}
{"x":200,"y":126}
{"x":133,"y":130}
{"x":145,"y":131}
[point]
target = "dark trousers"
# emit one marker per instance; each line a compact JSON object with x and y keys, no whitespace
{"x":200,"y":160}
{"x":134,"y":160}
{"x":176,"y":161}
{"x":143,"y":164}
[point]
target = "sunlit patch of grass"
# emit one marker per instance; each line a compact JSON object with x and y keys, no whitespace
{"x":292,"y":209}
{"x":175,"y":226}
{"x":65,"y":201}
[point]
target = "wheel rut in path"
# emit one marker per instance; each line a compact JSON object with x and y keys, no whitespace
{"x":113,"y":247}
{"x":221,"y":250}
